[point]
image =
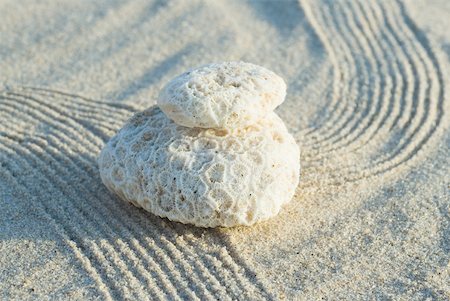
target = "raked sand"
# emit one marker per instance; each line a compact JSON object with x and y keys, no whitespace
{"x":368,"y":103}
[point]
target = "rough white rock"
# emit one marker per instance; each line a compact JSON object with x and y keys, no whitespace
{"x":225,"y":95}
{"x":205,"y":177}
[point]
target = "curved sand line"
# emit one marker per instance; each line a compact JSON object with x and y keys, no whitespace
{"x":409,"y":119}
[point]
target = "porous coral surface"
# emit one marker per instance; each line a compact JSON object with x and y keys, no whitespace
{"x":223,"y":95}
{"x":205,"y":177}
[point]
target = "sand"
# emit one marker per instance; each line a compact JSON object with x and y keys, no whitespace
{"x":367,"y":102}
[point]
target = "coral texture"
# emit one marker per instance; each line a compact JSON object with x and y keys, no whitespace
{"x":226,"y":95}
{"x":203,"y":177}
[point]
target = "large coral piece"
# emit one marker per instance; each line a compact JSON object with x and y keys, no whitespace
{"x":207,"y":177}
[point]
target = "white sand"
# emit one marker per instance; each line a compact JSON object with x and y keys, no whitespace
{"x":367,"y":101}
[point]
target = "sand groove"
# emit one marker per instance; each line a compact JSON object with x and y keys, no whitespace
{"x":393,"y":103}
{"x":10,"y":177}
{"x":383,"y":90}
{"x":356,"y":117}
{"x":152,"y":260}
{"x":94,"y":249}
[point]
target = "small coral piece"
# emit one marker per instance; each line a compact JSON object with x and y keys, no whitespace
{"x":207,"y":177}
{"x":227,"y":95}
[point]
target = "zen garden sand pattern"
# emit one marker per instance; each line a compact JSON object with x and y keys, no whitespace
{"x":367,"y":102}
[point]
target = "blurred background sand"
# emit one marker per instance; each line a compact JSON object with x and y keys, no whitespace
{"x":367,"y":102}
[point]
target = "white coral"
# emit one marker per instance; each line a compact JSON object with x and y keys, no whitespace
{"x":203,"y":177}
{"x":206,"y":177}
{"x":226,"y":95}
